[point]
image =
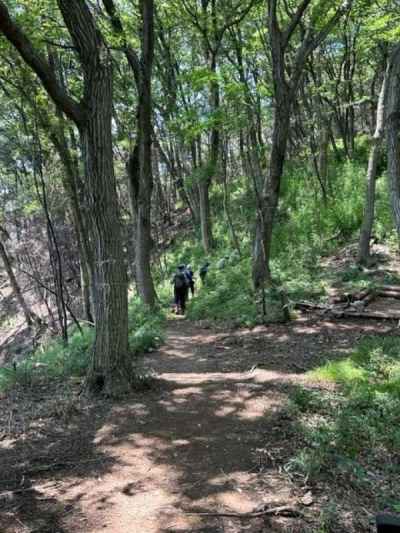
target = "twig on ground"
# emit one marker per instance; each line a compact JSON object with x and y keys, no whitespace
{"x":283,"y":510}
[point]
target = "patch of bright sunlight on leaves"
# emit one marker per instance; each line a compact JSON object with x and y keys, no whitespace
{"x":350,"y":431}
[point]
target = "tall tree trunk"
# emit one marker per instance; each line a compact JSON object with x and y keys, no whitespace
{"x":144,"y":239}
{"x":141,"y":177}
{"x":374,"y":154}
{"x":270,"y":194}
{"x":212,"y":168}
{"x":15,"y":285}
{"x":205,"y":214}
{"x":111,"y":366}
{"x":285,"y":90}
{"x":110,"y":279}
{"x":393,"y":135}
{"x":234,"y":238}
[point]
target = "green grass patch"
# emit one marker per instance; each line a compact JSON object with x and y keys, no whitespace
{"x":353,"y":431}
{"x":345,"y":371}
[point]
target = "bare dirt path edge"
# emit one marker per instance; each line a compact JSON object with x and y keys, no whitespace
{"x":210,"y":438}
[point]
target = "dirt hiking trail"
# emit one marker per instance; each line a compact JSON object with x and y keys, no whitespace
{"x":212,"y":435}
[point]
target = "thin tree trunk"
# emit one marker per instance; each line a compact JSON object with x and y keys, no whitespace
{"x":270,"y":195}
{"x":234,"y":238}
{"x":205,"y":215}
{"x":15,"y":285}
{"x":144,"y":239}
{"x":53,"y":249}
{"x":369,"y":208}
{"x":70,"y":179}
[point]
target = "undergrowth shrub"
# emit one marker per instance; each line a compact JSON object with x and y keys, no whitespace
{"x":54,"y":360}
{"x":306,"y":230}
{"x":226,"y":295}
{"x":350,"y":431}
{"x":145,"y":327}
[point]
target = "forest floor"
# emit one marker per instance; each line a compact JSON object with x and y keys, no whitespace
{"x":212,"y":435}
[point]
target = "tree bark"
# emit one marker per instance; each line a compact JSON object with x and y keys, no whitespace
{"x":393,"y":135}
{"x":143,"y":236}
{"x":110,"y":366}
{"x":15,"y":285}
{"x":285,"y":90}
{"x":374,"y":154}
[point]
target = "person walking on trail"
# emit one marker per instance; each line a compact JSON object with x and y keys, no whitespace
{"x":222,"y":262}
{"x":203,"y":272}
{"x":181,"y":285}
{"x":190,"y":275}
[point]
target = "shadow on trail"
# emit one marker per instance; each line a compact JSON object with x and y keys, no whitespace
{"x":44,"y":453}
{"x":210,"y":437}
{"x":213,"y":437}
{"x":205,"y":436}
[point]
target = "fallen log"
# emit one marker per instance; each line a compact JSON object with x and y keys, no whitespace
{"x":395,"y":288}
{"x":309,"y":306}
{"x":349,"y":297}
{"x":376,"y":315}
{"x":387,"y":293}
{"x":345,"y":311}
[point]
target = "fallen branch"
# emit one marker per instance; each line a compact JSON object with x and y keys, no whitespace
{"x":377,"y":315}
{"x":348,"y":297}
{"x":284,"y":510}
{"x":395,"y":288}
{"x":388,"y":293}
{"x":306,"y":306}
{"x":340,"y":311}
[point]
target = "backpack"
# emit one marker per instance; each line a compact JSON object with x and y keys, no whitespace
{"x":189,"y":276}
{"x":180,"y":281}
{"x":203,"y":271}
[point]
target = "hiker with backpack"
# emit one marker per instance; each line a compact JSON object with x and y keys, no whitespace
{"x":180,"y":282}
{"x":190,"y":275}
{"x":203,"y":272}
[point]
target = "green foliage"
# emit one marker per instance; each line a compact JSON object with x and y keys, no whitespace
{"x":145,"y":327}
{"x":347,"y":431}
{"x":305,"y":231}
{"x":51,"y":361}
{"x":227,"y":295}
{"x":54,"y":360}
